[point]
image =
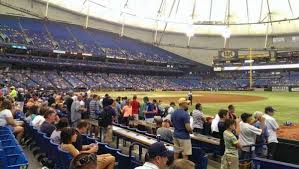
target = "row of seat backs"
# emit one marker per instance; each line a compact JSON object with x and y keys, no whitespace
{"x":11,"y":153}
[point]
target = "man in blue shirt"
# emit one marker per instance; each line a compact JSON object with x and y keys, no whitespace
{"x":182,"y":129}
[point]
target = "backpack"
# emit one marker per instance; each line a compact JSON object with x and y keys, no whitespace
{"x":103,"y":119}
{"x":165,"y":112}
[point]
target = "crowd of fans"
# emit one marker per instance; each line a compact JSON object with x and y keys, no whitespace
{"x":66,"y":80}
{"x":61,"y":117}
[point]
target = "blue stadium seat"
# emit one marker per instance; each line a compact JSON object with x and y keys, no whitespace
{"x":65,"y":158}
{"x":15,"y":161}
{"x":90,"y":140}
{"x":140,"y":131}
{"x":53,"y":149}
{"x":101,"y":149}
{"x":10,"y":150}
{"x":130,"y":128}
{"x":199,"y":157}
{"x":46,"y":145}
{"x":124,"y":160}
{"x":7,"y":136}
{"x":112,"y":151}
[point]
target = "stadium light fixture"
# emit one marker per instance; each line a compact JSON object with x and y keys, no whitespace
{"x":190,"y":31}
{"x":226,"y":33}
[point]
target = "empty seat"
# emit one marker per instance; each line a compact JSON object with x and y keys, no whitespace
{"x":112,"y":151}
{"x":101,"y":147}
{"x":199,"y":157}
{"x":125,"y":160}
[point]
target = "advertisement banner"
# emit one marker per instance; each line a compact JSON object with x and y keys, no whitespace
{"x":294,"y":89}
{"x":280,"y":88}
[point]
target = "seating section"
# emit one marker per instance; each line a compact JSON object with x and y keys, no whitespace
{"x":10,"y":30}
{"x":44,"y":34}
{"x":36,"y":32}
{"x":11,"y":153}
{"x":88,"y":80}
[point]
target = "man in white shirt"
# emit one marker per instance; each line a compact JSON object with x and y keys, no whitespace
{"x":214,"y":126}
{"x":157,"y":157}
{"x":272,"y":127}
{"x":170,"y":111}
{"x":248,"y":135}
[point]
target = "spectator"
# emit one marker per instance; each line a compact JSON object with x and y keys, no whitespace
{"x":214,"y":126}
{"x":105,"y":101}
{"x":230,"y":159}
{"x":76,"y":110}
{"x":69,"y":136}
{"x":6,"y":118}
{"x":118,"y":110}
{"x":20,"y":99}
{"x":223,"y":116}
{"x":143,"y":108}
{"x":55,"y":136}
{"x":190,"y":97}
{"x":32,"y":112}
{"x":68,"y":101}
{"x":84,"y":161}
{"x":272,"y":127}
{"x":248,"y":135}
{"x":48,"y":125}
{"x":110,"y":115}
{"x":51,"y":100}
{"x":127,"y":113}
{"x":170,"y":110}
{"x":182,"y":164}
{"x":149,"y":112}
{"x":198,"y":119}
{"x":231,"y":112}
{"x":182,"y":129}
{"x":261,"y":150}
{"x":123,"y":102}
{"x":157,"y":157}
{"x":135,"y":107}
{"x":94,"y":107}
{"x":82,"y":128}
{"x":165,"y":132}
{"x":13,"y":92}
{"x":39,"y":119}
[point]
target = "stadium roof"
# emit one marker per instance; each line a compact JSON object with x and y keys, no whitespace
{"x":240,"y":17}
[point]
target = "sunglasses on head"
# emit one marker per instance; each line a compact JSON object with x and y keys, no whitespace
{"x":85,"y":160}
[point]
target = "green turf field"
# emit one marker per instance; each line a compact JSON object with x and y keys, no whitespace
{"x":286,"y":103}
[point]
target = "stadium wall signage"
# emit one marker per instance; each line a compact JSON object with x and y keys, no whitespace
{"x":294,"y":89}
{"x":280,"y":88}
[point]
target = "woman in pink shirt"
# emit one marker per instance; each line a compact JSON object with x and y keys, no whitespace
{"x":127,"y":112}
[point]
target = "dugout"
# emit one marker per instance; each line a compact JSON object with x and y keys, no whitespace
{"x":287,"y":151}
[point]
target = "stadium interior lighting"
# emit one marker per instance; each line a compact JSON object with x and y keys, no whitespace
{"x":226,"y":33}
{"x":190,"y":31}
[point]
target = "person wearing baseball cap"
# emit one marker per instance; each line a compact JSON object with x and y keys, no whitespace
{"x":182,"y":129}
{"x":156,"y":157}
{"x":272,"y":127}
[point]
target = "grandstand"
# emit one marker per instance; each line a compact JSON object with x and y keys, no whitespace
{"x":62,"y":57}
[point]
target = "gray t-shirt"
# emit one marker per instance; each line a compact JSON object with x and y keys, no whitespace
{"x":75,"y":111}
{"x":165,"y":133}
{"x":197,"y":119}
{"x":55,"y":136}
